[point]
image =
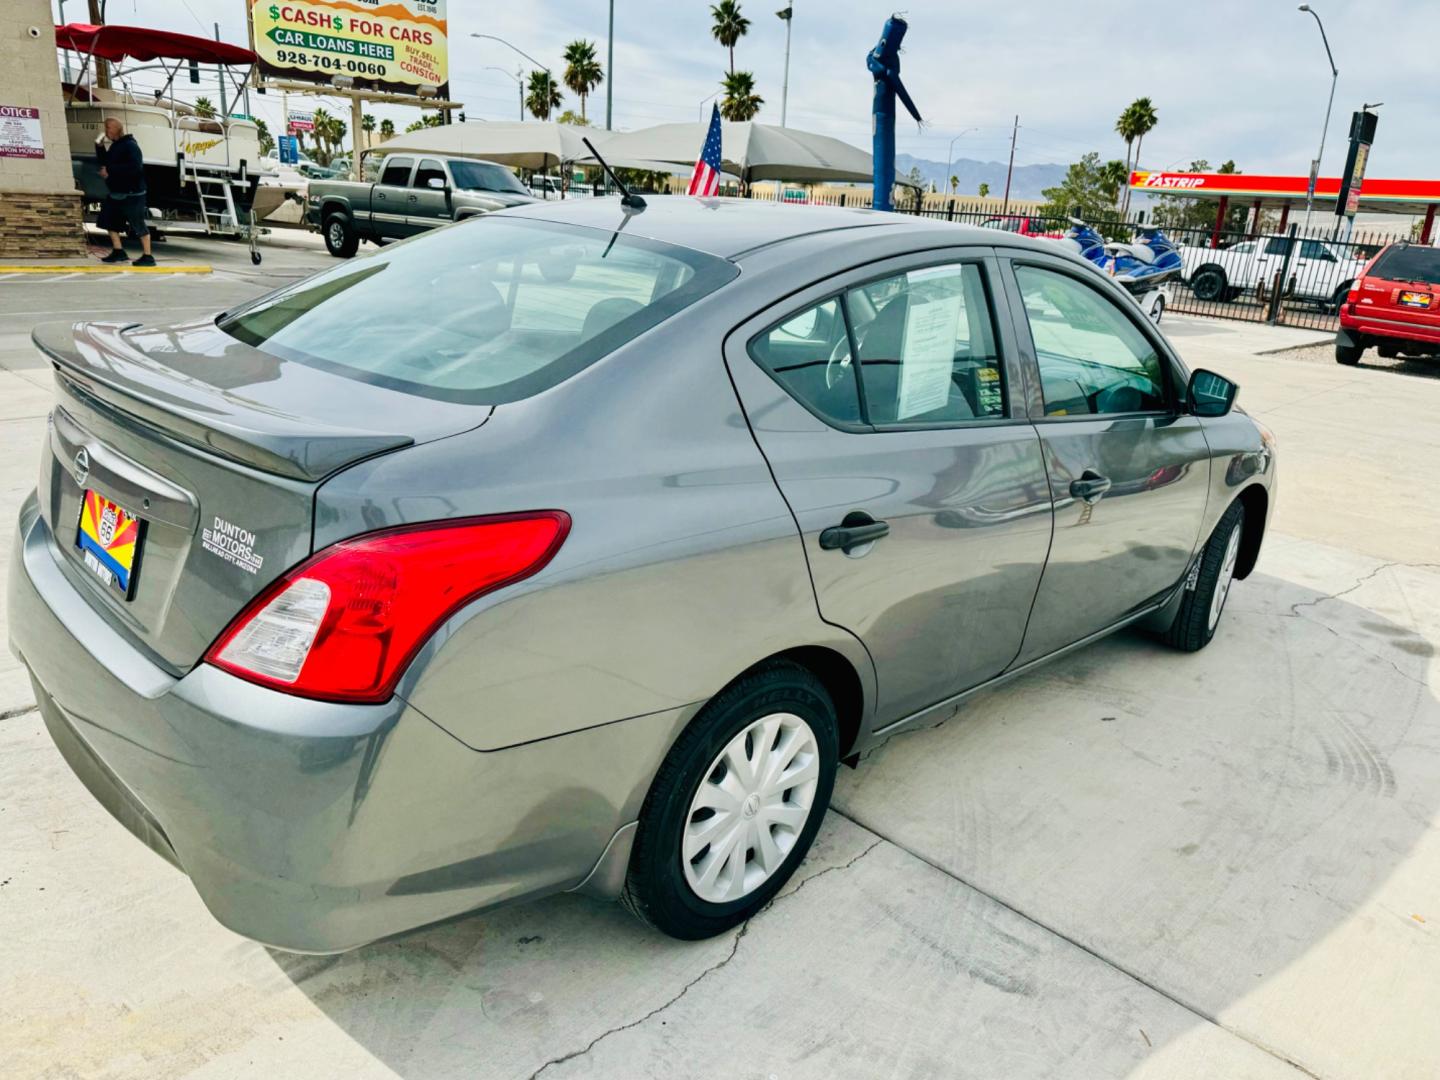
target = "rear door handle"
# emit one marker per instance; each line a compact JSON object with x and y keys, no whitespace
{"x":414,"y":198}
{"x":1090,"y":486}
{"x":857,"y":529}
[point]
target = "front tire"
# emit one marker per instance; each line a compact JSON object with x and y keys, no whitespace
{"x":735,"y":805}
{"x":1203,"y":605}
{"x":341,"y":239}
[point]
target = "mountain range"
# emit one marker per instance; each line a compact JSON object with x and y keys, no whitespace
{"x":1027,"y":182}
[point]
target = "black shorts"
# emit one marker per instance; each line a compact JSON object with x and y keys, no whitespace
{"x":119,"y":212}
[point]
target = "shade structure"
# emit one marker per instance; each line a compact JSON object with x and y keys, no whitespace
{"x":111,"y":42}
{"x":749,"y":150}
{"x":519,"y":144}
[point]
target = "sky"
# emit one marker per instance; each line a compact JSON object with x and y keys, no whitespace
{"x":1241,"y":79}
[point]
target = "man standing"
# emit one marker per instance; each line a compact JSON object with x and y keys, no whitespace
{"x":123,"y":168}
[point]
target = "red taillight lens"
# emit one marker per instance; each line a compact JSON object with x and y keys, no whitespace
{"x":343,"y":625}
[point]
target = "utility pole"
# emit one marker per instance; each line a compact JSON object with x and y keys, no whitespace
{"x":789,"y":16}
{"x":220,"y":74}
{"x":102,"y":67}
{"x":520,"y":82}
{"x":610,"y":74}
{"x":1010,"y":169}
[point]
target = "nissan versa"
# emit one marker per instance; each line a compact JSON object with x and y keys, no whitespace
{"x":574,"y":547}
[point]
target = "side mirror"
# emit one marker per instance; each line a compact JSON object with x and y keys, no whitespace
{"x":1211,"y":394}
{"x":435,"y":183}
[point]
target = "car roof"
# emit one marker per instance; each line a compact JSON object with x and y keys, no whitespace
{"x":730,"y":228}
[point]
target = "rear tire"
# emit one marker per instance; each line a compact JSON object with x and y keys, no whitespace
{"x":1203,"y":605}
{"x":341,"y":239}
{"x":1209,"y":284}
{"x":1349,"y":355}
{"x":716,"y":841}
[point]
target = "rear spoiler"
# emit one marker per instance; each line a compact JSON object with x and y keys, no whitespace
{"x":96,"y":362}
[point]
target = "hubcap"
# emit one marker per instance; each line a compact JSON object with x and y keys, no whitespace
{"x":751,"y":808}
{"x":337,"y":235}
{"x":1227,"y":575}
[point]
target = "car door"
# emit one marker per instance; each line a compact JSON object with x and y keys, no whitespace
{"x":1128,"y":470}
{"x":1319,"y":270}
{"x":913,"y":473}
{"x":429,"y":205}
{"x":390,"y":199}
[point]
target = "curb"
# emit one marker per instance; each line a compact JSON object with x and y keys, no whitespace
{"x":116,"y":268}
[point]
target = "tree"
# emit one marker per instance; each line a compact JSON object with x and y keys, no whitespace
{"x":570,"y":116}
{"x":267,"y":141}
{"x":1137,"y":121}
{"x":387,"y":129}
{"x":728,"y":26}
{"x":954,"y":183}
{"x":1085,"y":191}
{"x":740,"y":101}
{"x":367,"y":125}
{"x":1113,"y":176}
{"x":204,"y":107}
{"x":542,"y":96}
{"x":429,"y":120}
{"x":583,"y":72}
{"x":984,"y":191}
{"x":1128,"y":128}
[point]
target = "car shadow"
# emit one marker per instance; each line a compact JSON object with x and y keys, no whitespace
{"x":1233,"y":830}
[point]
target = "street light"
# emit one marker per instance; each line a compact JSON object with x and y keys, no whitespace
{"x":1334,"y":78}
{"x":700,"y":109}
{"x":788,"y":14}
{"x":519,"y":81}
{"x":543,"y":67}
{"x":950,"y":154}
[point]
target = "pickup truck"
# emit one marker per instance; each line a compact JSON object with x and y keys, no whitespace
{"x":1319,"y":271}
{"x":415,"y":192}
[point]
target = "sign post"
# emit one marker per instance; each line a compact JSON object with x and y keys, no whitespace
{"x":1362,"y":135}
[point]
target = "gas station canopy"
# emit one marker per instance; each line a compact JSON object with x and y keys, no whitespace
{"x":1271,"y":192}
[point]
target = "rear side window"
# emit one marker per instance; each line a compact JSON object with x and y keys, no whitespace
{"x":927,"y":352}
{"x":397,"y":172}
{"x":1405,"y":263}
{"x":488,"y":311}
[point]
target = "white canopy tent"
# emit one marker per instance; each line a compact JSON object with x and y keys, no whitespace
{"x":749,"y":150}
{"x":537,"y":146}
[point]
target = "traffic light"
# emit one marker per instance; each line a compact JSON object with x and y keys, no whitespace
{"x":195,"y":71}
{"x":462,"y":117}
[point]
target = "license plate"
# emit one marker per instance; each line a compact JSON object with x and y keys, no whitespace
{"x":1415,"y":299}
{"x":109,"y":540}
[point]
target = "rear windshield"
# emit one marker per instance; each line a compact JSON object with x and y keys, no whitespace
{"x":491,"y":310}
{"x":1409,"y":264}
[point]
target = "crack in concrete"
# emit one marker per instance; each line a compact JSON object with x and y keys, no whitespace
{"x":734,"y":948}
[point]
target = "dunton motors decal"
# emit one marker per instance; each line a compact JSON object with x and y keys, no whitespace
{"x":190,"y":147}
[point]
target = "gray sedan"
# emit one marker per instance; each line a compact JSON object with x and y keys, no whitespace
{"x":575,"y":547}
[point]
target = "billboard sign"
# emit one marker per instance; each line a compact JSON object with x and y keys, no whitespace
{"x":301,"y":120}
{"x":396,"y":46}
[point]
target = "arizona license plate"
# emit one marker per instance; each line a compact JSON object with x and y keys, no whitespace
{"x":1415,"y":299}
{"x":109,"y":541}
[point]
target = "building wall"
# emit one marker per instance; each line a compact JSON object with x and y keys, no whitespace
{"x":40,"y":209}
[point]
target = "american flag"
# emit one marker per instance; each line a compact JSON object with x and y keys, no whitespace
{"x":705,"y":180}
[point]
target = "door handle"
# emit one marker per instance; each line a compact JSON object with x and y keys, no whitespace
{"x":857,"y":528}
{"x":1090,"y":486}
{"x":414,"y":198}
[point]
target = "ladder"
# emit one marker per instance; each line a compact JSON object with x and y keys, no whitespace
{"x":217,"y":202}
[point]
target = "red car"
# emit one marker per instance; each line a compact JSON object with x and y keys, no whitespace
{"x":1393,"y":305}
{"x":1017,"y":223}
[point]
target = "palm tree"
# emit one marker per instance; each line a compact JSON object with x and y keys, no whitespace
{"x":204,"y":107}
{"x":1112,"y":177}
{"x":543,"y":96}
{"x":429,"y":120}
{"x":1145,"y":120}
{"x":582,"y":70}
{"x":367,"y":125}
{"x":1128,"y":128}
{"x":740,"y":101}
{"x":387,"y":129}
{"x":954,"y":183}
{"x":984,"y":191}
{"x":728,"y":26}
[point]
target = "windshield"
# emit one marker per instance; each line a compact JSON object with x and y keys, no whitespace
{"x":487,"y":311}
{"x":482,"y":176}
{"x":1405,"y":263}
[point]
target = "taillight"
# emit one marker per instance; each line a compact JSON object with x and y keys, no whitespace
{"x":343,"y":625}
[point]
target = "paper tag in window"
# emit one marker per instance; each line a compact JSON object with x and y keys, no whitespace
{"x":928,"y":355}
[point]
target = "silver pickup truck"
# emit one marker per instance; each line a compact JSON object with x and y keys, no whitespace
{"x":414,"y":192}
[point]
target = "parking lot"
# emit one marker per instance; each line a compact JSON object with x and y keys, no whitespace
{"x":1133,"y":863}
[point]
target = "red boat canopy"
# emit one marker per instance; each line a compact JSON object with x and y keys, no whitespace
{"x":117,"y":42}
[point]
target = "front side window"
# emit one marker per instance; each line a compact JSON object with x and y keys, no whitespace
{"x":489,"y":311}
{"x":927,"y":352}
{"x":429,"y":169}
{"x":397,"y":172}
{"x":1277,"y":245}
{"x":1093,"y":359}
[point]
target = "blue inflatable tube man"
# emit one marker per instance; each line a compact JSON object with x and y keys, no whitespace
{"x":884,"y":64}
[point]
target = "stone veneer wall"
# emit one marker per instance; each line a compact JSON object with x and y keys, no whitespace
{"x":40,"y":210}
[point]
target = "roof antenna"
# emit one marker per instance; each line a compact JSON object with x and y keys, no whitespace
{"x":633,"y":202}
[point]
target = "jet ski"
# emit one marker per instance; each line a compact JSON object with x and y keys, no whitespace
{"x":1143,"y":264}
{"x":1084,"y":241}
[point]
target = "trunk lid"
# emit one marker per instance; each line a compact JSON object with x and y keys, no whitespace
{"x":217,"y":448}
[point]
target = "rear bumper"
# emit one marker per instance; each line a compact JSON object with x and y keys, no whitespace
{"x":311,"y":826}
{"x":1359,"y":327}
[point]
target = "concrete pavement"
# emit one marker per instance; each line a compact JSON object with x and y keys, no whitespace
{"x":1131,"y":864}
